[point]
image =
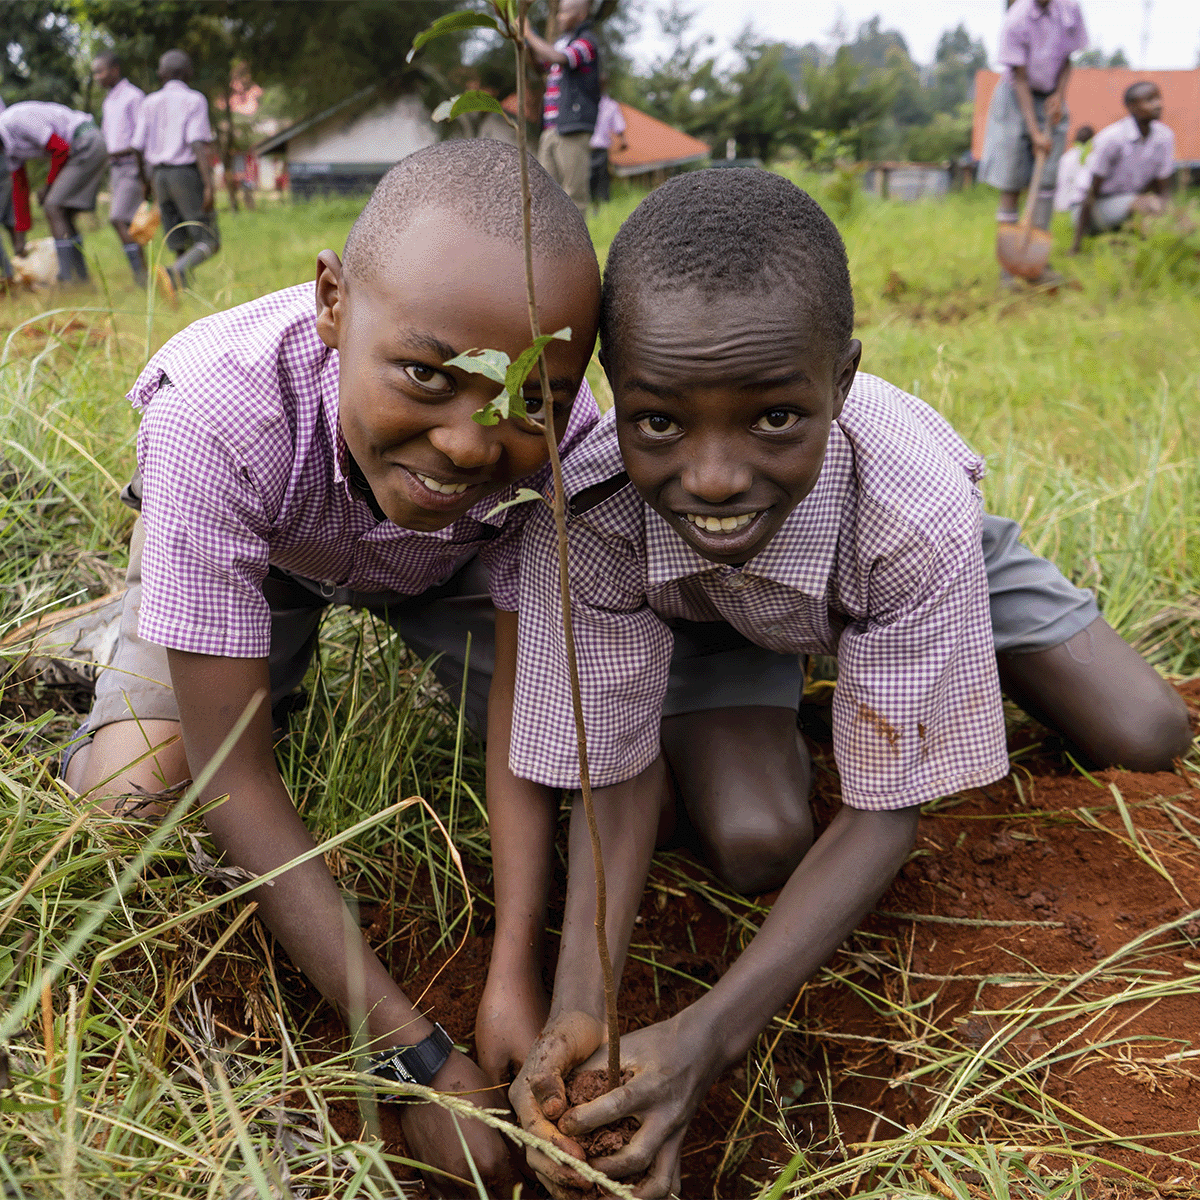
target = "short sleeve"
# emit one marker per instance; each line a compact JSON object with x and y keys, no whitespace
{"x":138,"y":140}
{"x":1014,"y":44}
{"x":1167,"y":166}
{"x":917,"y":712}
{"x":207,"y":538}
{"x":624,"y":655}
{"x":502,"y":557}
{"x":1103,"y":160}
{"x":197,"y":128}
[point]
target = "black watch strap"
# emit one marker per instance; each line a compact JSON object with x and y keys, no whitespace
{"x":415,"y":1064}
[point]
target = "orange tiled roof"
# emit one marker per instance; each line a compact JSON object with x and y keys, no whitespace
{"x":1094,"y":98}
{"x":653,"y":144}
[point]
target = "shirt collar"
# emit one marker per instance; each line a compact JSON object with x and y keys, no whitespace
{"x":800,"y":556}
{"x":1131,"y":133}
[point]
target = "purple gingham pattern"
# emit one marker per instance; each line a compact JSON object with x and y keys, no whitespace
{"x":242,"y":467}
{"x":168,"y":122}
{"x":120,"y":112}
{"x":1125,"y":160}
{"x":26,"y":127}
{"x":1041,"y":39}
{"x":880,"y":565}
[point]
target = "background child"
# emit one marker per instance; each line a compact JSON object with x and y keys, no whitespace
{"x":75,"y":147}
{"x":126,"y":186}
{"x":815,"y":512}
{"x":174,"y":137}
{"x":306,"y":449}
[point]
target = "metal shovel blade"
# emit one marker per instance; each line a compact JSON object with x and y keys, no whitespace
{"x":1023,"y":250}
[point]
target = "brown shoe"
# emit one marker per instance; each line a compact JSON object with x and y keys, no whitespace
{"x":67,"y":648}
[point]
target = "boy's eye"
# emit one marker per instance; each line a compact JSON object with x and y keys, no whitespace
{"x":657,"y":426}
{"x":428,"y":378}
{"x":535,"y":410}
{"x":778,"y":420}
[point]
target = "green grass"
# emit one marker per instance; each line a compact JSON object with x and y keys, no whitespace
{"x":1086,"y":405}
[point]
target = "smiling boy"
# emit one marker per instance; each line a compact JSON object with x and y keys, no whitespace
{"x":750,"y":475}
{"x":305,"y":449}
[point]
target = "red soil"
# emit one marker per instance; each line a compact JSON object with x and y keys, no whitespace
{"x":1046,"y":850}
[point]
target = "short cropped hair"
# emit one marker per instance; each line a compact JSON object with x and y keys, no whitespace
{"x":479,"y":180}
{"x":730,"y":230}
{"x":175,"y":64}
{"x":107,"y":58}
{"x":1131,"y":92}
{"x":1084,"y":134}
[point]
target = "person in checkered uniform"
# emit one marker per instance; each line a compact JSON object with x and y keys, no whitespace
{"x":751,"y":474}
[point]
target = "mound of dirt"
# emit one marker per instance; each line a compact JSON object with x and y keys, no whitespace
{"x":1013,"y":892}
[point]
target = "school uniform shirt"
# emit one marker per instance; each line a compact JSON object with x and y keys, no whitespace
{"x":579,"y":47}
{"x":1125,"y":161}
{"x":880,"y":565}
{"x":610,"y":121}
{"x":244,"y":467}
{"x":168,"y":122}
{"x":36,"y":129}
{"x":119,"y":115}
{"x":1041,"y":40}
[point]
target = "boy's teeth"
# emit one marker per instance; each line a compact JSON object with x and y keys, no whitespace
{"x":447,"y":489}
{"x":720,"y":524}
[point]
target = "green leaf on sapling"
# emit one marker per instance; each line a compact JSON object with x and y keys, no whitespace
{"x":523,"y":496}
{"x":492,"y":363}
{"x":519,"y":371}
{"x":451,"y":23}
{"x":467,"y":102}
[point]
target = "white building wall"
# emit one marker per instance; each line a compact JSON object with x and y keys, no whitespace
{"x":382,"y":134}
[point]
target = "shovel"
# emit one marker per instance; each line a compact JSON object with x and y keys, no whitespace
{"x":1021,"y":249}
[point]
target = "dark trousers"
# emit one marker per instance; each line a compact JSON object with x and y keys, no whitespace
{"x":598,"y":182}
{"x":179,"y":192}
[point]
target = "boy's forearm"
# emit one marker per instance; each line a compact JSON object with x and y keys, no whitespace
{"x":1025,"y":100}
{"x":838,"y":882}
{"x":628,"y":816}
{"x":258,"y":829}
{"x":521,"y":825}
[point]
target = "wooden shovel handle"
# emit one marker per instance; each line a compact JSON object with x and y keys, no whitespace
{"x":1035,"y":182}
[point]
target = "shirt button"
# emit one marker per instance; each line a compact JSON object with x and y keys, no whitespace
{"x":773,"y":629}
{"x":736,"y":582}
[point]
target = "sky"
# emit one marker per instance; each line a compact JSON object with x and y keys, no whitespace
{"x":1173,"y":25}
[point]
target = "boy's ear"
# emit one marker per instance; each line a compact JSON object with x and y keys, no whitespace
{"x":331,"y":297}
{"x":845,"y":375}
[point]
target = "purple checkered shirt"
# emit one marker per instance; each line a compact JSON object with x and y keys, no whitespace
{"x":1125,"y":160}
{"x":168,"y":122}
{"x":880,"y":565}
{"x":121,"y":107}
{"x":244,"y":467}
{"x":1041,"y":40}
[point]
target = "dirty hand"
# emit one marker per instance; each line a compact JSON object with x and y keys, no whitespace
{"x":511,"y":1015}
{"x":672,"y":1071}
{"x":432,"y":1134}
{"x":1041,"y":142}
{"x":539,"y":1095}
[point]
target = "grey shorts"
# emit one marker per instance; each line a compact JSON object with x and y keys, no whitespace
{"x":179,"y":192}
{"x":1007,"y":161}
{"x":125,"y":187}
{"x":1108,"y":212}
{"x":77,"y":183}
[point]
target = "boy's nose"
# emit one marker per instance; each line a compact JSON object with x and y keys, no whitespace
{"x":712,"y":476}
{"x":466,"y":443}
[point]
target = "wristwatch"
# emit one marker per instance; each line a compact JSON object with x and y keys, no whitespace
{"x":414,"y":1064}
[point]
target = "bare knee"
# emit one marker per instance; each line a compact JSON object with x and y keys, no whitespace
{"x":140,"y":758}
{"x":1153,"y":740}
{"x":753,"y":851}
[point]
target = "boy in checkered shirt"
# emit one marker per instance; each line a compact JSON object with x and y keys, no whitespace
{"x":750,"y":475}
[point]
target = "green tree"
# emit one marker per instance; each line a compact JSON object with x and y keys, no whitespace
{"x":959,"y":56}
{"x":1097,"y":58}
{"x":40,"y":44}
{"x":760,"y":109}
{"x":840,"y":99}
